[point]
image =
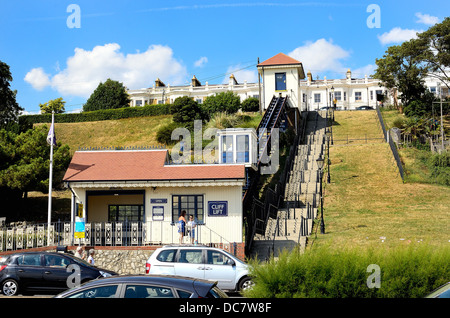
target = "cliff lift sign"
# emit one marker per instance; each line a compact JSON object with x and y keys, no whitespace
{"x":217,"y":208}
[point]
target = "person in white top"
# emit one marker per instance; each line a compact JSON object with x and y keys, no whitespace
{"x":91,"y":257}
{"x":191,"y":228}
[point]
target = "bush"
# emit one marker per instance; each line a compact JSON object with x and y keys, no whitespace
{"x":405,"y":272}
{"x":103,"y":114}
{"x":186,"y":110}
{"x":227,"y":102}
{"x":251,"y":104}
{"x":164,"y":133}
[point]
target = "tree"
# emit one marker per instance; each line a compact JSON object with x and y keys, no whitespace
{"x":401,"y":68}
{"x":108,"y":95}
{"x":227,"y":102}
{"x":25,"y":161}
{"x":9,"y":108}
{"x":56,"y":105}
{"x":436,"y":56}
{"x":185,"y":110}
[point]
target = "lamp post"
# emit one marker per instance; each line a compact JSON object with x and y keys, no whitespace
{"x":320,"y":163}
{"x":328,"y":135}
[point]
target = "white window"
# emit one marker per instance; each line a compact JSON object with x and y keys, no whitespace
{"x":358,"y":96}
{"x":338,"y":95}
{"x":317,"y":98}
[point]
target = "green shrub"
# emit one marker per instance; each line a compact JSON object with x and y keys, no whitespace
{"x":164,"y":133}
{"x":251,"y":104}
{"x":325,"y":272}
{"x":227,"y":102}
{"x":98,"y":115}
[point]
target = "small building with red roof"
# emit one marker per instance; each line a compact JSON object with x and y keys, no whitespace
{"x":281,"y":76}
{"x":145,"y":187}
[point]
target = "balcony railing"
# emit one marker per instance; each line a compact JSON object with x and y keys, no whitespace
{"x":102,"y":234}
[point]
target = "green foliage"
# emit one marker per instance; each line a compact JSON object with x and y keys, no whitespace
{"x":439,"y":165}
{"x":251,"y":104}
{"x":185,"y":110}
{"x":164,"y":133}
{"x":227,"y":102}
{"x":104,"y":114}
{"x":25,"y":160}
{"x":9,"y":108}
{"x":325,"y":272}
{"x":108,"y":95}
{"x":56,"y":105}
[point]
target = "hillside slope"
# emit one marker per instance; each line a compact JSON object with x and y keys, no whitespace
{"x":367,"y":202}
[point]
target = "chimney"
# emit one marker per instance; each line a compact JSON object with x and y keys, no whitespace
{"x":159,"y":83}
{"x":195,"y":82}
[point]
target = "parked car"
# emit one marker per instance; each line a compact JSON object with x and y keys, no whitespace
{"x":31,"y":272}
{"x":441,"y":292}
{"x":200,"y":262}
{"x":145,"y":286}
{"x":364,"y":108}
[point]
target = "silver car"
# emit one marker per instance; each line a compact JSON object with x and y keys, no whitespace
{"x":200,"y":262}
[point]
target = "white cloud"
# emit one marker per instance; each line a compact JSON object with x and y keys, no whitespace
{"x":321,"y":56}
{"x":241,"y":74}
{"x":201,"y":62}
{"x":38,"y":78}
{"x":426,"y":19}
{"x":368,"y":70}
{"x":398,"y":35}
{"x":86,"y":69}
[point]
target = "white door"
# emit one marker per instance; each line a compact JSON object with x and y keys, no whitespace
{"x":190,"y":263}
{"x":219,"y":267}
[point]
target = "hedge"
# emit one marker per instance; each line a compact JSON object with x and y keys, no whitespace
{"x":405,"y":272}
{"x":103,"y":114}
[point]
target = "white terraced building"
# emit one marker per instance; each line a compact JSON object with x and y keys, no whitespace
{"x":310,"y":94}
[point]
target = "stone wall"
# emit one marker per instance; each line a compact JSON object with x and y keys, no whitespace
{"x":122,"y":260}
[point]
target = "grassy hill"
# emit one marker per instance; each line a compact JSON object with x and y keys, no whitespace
{"x":367,"y":203}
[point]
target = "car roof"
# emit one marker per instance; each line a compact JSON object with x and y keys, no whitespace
{"x":155,"y":279}
{"x":201,"y":286}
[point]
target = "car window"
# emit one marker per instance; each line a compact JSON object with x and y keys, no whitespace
{"x":218,"y":258}
{"x":97,"y":292}
{"x":184,"y":294}
{"x":166,"y":256}
{"x":55,"y":261}
{"x":29,"y":260}
{"x":190,"y":256}
{"x":148,"y":291}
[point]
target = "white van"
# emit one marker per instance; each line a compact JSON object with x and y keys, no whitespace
{"x":200,"y":262}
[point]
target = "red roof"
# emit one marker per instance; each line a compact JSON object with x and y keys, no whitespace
{"x":279,"y":59}
{"x":142,"y":165}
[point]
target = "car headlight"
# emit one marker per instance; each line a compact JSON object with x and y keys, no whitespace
{"x":105,"y":274}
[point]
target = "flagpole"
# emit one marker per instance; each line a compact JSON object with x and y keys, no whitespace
{"x":49,"y":220}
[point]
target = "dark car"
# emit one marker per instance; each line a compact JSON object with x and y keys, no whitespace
{"x":31,"y":272}
{"x":364,"y":108}
{"x":145,"y":286}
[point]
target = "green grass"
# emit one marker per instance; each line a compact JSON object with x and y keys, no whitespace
{"x":335,"y":272}
{"x":367,"y":202}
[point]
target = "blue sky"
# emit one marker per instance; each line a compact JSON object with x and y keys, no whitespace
{"x":54,"y":50}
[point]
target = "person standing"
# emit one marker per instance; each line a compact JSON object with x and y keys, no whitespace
{"x":182,"y":225}
{"x":191,"y":228}
{"x":80,"y":252}
{"x":91,"y":257}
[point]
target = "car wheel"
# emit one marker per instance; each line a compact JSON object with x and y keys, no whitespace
{"x":245,"y":284}
{"x":10,"y":287}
